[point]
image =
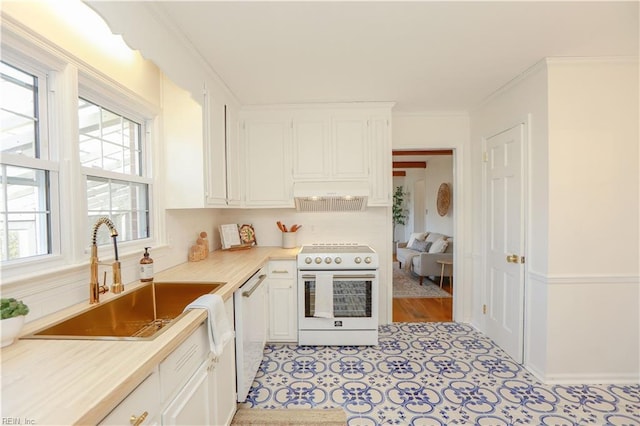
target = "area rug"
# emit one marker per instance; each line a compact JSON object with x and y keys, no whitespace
{"x":407,"y":285}
{"x":293,"y":416}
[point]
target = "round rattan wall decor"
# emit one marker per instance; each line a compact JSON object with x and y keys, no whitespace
{"x":444,"y":199}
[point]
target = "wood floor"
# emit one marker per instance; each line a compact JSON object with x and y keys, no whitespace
{"x":432,"y":309}
{"x":422,"y":310}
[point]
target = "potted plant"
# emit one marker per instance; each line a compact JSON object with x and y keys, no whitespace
{"x":399,"y":213}
{"x":13,"y":312}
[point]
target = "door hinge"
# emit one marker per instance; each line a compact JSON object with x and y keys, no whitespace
{"x":484,"y":309}
{"x":521,"y":259}
{"x":485,"y":157}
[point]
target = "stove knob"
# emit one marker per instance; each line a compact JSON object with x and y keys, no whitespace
{"x":308,"y":260}
{"x":357,"y":260}
{"x":367,"y":259}
{"x":338,"y":260}
{"x":327,"y":260}
{"x":318,"y":260}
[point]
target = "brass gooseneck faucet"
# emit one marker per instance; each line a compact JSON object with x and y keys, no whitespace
{"x":95,"y":289}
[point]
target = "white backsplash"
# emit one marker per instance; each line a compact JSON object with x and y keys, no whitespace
{"x":55,"y":291}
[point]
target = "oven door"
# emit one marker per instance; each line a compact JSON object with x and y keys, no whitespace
{"x":355,"y":300}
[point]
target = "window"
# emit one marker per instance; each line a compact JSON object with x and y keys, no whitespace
{"x":25,"y":171}
{"x":111,"y":155}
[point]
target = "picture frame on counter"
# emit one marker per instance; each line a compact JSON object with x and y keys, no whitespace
{"x":237,"y":237}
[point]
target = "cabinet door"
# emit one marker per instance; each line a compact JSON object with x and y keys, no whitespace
{"x":234,"y":195}
{"x":381,"y":160}
{"x":311,"y":146}
{"x":191,"y":405}
{"x":349,"y":147}
{"x":144,"y":401}
{"x":221,"y":139}
{"x":282,"y":301}
{"x":222,"y":380}
{"x":184,"y":149}
{"x":282,"y":311}
{"x":216,"y":152}
{"x":268,"y":163}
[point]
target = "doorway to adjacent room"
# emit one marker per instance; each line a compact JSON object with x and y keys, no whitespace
{"x":420,"y":173}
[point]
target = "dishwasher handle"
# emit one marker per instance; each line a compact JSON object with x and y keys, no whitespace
{"x":248,"y":293}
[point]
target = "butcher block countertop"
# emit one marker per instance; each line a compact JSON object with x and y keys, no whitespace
{"x":64,"y":382}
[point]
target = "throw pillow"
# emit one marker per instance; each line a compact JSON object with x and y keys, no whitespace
{"x":434,"y":236}
{"x":439,"y":246}
{"x":416,"y":236}
{"x":420,"y":246}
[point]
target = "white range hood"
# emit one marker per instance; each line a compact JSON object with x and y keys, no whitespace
{"x":331,"y":196}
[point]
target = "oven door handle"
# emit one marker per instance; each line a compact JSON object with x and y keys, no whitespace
{"x":361,"y":276}
{"x":248,"y":293}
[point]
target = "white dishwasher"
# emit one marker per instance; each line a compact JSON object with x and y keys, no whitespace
{"x":251,"y":330}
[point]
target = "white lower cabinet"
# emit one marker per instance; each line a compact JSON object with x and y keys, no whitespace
{"x":140,"y":407}
{"x":282,"y":301}
{"x":189,"y":387}
{"x":191,"y":404}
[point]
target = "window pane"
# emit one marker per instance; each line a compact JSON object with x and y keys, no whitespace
{"x":24,"y":216}
{"x":18,"y":111}
{"x":108,"y":141}
{"x":125,"y":203}
{"x":98,"y":197}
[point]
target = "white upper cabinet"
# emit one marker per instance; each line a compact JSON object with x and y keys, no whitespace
{"x":221,"y":152}
{"x":350,"y":156}
{"x":329,"y":145}
{"x":201,"y":149}
{"x":321,"y":142}
{"x":311,"y":145}
{"x":267,"y":160}
{"x":183,"y":148}
{"x":234,"y":177}
{"x":216,"y":152}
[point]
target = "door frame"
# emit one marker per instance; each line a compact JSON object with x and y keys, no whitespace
{"x":526,"y":205}
{"x":461,"y":306}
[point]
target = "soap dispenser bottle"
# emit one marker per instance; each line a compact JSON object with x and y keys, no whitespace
{"x":146,"y":267}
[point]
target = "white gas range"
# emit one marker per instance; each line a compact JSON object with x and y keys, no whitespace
{"x":337,"y":294}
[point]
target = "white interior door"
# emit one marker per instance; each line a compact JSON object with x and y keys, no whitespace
{"x":505,"y":241}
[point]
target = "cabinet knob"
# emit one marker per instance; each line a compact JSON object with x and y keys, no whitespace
{"x":137,"y":421}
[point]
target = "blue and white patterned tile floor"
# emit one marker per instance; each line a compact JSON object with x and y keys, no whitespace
{"x":431,"y":374}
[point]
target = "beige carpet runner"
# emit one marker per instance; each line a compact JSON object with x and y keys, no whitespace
{"x":294,"y":416}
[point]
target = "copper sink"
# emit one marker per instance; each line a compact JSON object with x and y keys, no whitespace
{"x":141,"y":314}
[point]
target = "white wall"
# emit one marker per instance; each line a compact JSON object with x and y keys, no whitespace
{"x":439,"y":170}
{"x":52,"y":22}
{"x":594,"y":256}
{"x":582,"y":286}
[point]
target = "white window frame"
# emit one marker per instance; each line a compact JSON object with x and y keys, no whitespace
{"x":103,"y":93}
{"x":43,"y":68}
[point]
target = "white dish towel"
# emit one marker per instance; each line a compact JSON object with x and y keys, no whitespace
{"x":324,"y":295}
{"x":220,"y":331}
